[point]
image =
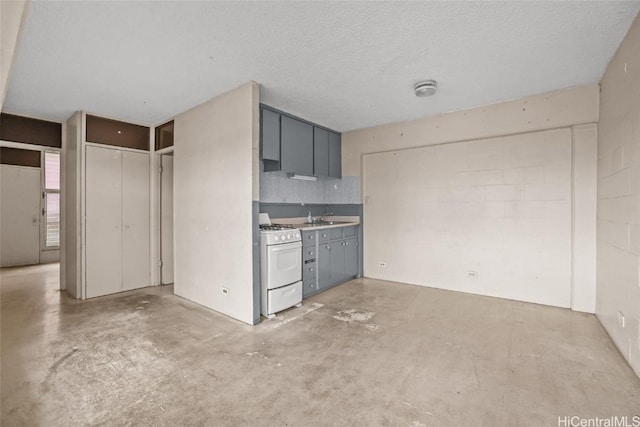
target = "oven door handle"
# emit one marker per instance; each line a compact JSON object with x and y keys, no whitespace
{"x":286,"y":247}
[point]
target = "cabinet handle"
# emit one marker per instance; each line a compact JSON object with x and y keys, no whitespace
{"x":311,"y":237}
{"x":324,"y":235}
{"x":311,"y":269}
{"x":310,"y":252}
{"x":346,"y":243}
{"x":328,"y":247}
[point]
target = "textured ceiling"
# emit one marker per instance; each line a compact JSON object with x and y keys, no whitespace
{"x":346,"y":65}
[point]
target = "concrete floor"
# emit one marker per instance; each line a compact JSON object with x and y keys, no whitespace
{"x":365,"y":353}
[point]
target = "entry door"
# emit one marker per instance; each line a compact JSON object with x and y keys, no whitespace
{"x":19,"y":215}
{"x":166,"y":210}
{"x":103,"y":221}
{"x":135,"y":220}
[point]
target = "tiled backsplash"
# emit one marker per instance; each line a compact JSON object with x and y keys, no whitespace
{"x":277,"y":187}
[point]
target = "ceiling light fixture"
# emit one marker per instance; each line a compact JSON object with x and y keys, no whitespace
{"x":425,"y":88}
{"x":303,"y":177}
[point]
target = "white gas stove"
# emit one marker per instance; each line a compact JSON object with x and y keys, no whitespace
{"x":280,"y":267}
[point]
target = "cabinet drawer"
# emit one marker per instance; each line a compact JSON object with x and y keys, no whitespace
{"x":309,"y":253}
{"x":323,"y":235}
{"x":335,"y":233}
{"x":308,"y":238}
{"x":349,"y":231}
{"x":309,"y":286}
{"x":309,"y":270}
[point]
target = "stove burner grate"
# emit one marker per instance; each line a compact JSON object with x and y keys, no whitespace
{"x":276,"y":227}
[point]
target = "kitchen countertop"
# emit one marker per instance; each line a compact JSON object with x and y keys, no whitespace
{"x":300,"y":223}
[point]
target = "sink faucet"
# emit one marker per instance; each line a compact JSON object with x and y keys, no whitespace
{"x":325,"y":215}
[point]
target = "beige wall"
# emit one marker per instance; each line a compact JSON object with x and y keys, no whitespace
{"x":618,"y":245}
{"x":584,"y":182}
{"x":71,"y":262}
{"x":552,"y":110}
{"x":504,"y":190}
{"x":12,"y":15}
{"x":214,"y":173}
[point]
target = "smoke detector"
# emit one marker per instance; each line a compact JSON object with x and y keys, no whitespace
{"x":425,"y":88}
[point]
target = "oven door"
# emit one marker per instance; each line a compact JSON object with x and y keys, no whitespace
{"x":284,"y":264}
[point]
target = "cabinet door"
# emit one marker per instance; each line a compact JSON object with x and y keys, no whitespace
{"x":296,"y":150}
{"x":320,"y":152}
{"x":270,"y":135}
{"x":103,"y":256}
{"x":335,"y":155}
{"x":135,"y":220}
{"x":337,"y":267}
{"x":351,"y":258}
{"x":324,"y":265}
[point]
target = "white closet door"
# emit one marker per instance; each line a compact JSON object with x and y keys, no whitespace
{"x":166,"y":208}
{"x":135,"y":220}
{"x":19,"y":215}
{"x":103,"y":221}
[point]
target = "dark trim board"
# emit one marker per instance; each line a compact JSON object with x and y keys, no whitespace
{"x":19,"y":157}
{"x":30,"y":131}
{"x":116,"y":133}
{"x":164,"y":135}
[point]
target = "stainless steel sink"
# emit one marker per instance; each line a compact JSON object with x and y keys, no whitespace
{"x":323,"y":223}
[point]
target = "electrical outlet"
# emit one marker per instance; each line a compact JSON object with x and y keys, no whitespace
{"x":225,"y":291}
{"x":382,"y":264}
{"x":621,"y":319}
{"x":472,"y":274}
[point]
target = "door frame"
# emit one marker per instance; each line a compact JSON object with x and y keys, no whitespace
{"x":156,"y":213}
{"x":160,"y":239}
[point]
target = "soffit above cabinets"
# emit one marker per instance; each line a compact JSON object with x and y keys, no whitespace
{"x":347,"y":65}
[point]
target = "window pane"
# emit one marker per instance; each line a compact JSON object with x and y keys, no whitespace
{"x":52,"y":171}
{"x":53,"y":219}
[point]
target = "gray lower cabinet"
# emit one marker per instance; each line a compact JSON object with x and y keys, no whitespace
{"x":335,"y":253}
{"x":324,"y":266}
{"x":296,"y":149}
{"x":351,"y":258}
{"x":309,"y":257}
{"x":336,"y":257}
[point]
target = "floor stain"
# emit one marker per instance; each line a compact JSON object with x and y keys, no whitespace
{"x":353,"y":315}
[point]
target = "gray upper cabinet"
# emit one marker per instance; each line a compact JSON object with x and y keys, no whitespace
{"x":289,"y":144}
{"x":320,"y":152}
{"x":296,"y":150}
{"x":270,"y":135}
{"x":335,"y":155}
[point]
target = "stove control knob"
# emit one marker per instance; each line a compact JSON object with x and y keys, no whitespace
{"x":276,"y":238}
{"x":288,"y":236}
